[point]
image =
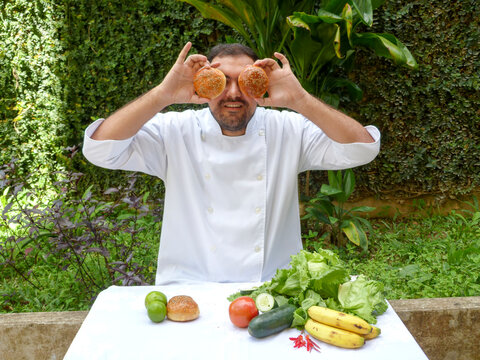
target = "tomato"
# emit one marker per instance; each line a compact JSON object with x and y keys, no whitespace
{"x":242,"y":310}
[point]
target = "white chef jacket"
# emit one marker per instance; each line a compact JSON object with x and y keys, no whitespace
{"x":231,"y":209}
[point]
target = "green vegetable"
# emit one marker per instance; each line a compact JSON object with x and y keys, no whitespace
{"x":321,"y":278}
{"x":272,"y":322}
{"x":265,"y":302}
{"x":362,"y":297}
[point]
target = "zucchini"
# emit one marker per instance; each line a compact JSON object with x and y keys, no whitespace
{"x":265,"y":302}
{"x":272,"y":321}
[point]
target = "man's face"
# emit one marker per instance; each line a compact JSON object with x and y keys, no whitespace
{"x":232,"y":109}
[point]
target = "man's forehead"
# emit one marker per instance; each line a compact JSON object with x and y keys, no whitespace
{"x":240,"y":60}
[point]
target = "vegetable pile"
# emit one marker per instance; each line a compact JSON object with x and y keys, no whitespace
{"x":322,"y":279}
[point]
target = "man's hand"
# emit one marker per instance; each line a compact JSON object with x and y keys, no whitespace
{"x":177,"y":87}
{"x":284,"y":89}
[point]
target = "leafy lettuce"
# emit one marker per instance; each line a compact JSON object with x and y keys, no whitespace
{"x":321,"y":278}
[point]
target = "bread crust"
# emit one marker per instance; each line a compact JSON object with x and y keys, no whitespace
{"x":182,"y":308}
{"x":253,"y":81}
{"x":209,"y":82}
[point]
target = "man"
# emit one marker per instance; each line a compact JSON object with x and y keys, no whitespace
{"x":230,"y":170}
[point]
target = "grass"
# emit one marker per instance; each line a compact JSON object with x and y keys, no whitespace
{"x":437,"y":256}
{"x":433,"y":256}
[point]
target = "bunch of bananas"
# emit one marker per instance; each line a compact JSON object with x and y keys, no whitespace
{"x":339,"y":329}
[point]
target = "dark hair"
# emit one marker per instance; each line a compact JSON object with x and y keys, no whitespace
{"x":231,"y":49}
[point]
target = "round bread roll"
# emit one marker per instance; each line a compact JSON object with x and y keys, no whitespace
{"x":253,"y":81}
{"x":209,"y":82}
{"x":182,"y":308}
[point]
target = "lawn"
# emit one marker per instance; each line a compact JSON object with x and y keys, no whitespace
{"x":60,"y":257}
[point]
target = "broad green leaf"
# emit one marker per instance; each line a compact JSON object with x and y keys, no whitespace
{"x":388,"y":46}
{"x":348,"y":183}
{"x":332,"y":179}
{"x":330,"y":190}
{"x":297,"y":21}
{"x":337,"y":42}
{"x":364,"y":10}
{"x":362,"y":209}
{"x":224,"y":15}
{"x":329,"y":17}
{"x":353,"y":89}
{"x":350,"y":230}
{"x":334,"y":6}
{"x":355,"y":233}
{"x":242,"y":10}
{"x":347,"y":15}
{"x":317,"y":214}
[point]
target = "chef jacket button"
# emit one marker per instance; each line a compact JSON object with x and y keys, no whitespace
{"x":261,"y":132}
{"x":258,"y":210}
{"x":207,"y":176}
{"x":259,"y":177}
{"x":258,"y":249}
{"x":210,"y":210}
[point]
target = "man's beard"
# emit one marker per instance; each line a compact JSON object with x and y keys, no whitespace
{"x":232,"y":121}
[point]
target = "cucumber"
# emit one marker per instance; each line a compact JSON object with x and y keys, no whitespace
{"x":265,"y":302}
{"x":272,"y":321}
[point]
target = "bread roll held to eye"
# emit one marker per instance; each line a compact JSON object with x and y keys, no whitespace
{"x":253,"y":81}
{"x":209,"y":82}
{"x":182,"y":308}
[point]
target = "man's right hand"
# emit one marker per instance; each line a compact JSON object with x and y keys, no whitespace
{"x":176,"y":88}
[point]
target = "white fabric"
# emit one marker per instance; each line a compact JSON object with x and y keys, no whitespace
{"x":231,"y":204}
{"x":117,"y":328}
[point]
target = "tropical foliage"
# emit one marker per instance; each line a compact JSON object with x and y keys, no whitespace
{"x":318,"y":38}
{"x":332,"y":219}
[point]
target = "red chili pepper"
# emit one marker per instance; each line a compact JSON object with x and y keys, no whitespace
{"x":311,"y":344}
{"x":298,"y":341}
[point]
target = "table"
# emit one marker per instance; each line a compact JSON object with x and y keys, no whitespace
{"x":117,"y":327}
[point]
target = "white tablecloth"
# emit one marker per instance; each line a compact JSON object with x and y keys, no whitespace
{"x":117,"y":327}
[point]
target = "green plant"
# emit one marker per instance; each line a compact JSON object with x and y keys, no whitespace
{"x":325,"y":42}
{"x":426,"y":257}
{"x":261,"y":24}
{"x":339,"y":224}
{"x":96,"y":242}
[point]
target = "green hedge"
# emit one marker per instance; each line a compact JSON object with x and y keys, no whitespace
{"x":430,"y":118}
{"x":64,"y":63}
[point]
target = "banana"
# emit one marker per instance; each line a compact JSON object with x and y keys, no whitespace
{"x":334,"y":336}
{"x":339,"y":320}
{"x":372,"y":334}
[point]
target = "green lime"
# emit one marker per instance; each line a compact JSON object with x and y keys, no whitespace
{"x":157,"y":311}
{"x":155,"y":295}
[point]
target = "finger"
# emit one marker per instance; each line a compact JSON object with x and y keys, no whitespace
{"x":264,"y":101}
{"x":283,"y":59}
{"x":183,"y":53}
{"x":196,"y":59}
{"x":264,"y":63}
{"x":198,"y":100}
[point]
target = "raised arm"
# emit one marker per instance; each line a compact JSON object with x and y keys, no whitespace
{"x":176,"y":87}
{"x":286,"y":91}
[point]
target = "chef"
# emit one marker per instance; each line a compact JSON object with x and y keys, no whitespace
{"x":230,"y":169}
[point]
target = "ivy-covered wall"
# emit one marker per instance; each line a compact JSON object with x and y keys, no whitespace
{"x":429,"y":118}
{"x":64,"y":63}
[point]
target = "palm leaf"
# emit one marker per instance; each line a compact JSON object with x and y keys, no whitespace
{"x":388,"y":46}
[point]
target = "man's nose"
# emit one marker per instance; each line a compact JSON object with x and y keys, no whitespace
{"x":233,"y":90}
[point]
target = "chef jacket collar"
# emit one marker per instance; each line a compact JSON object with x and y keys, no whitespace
{"x":213,"y":128}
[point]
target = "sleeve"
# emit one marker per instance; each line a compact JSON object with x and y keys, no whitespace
{"x":144,"y":152}
{"x":319,"y":152}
